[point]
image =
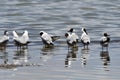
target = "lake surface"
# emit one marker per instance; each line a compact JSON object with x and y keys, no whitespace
{"x":56,"y":17}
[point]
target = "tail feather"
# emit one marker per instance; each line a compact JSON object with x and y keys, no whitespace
{"x":54,"y":38}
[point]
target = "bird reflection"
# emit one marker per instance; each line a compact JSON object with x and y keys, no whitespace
{"x":46,"y":53}
{"x":105,"y":57}
{"x":71,"y":56}
{"x":47,"y":49}
{"x":45,"y":56}
{"x":4,"y":56}
{"x":2,"y":48}
{"x":84,"y":56}
{"x":20,"y":57}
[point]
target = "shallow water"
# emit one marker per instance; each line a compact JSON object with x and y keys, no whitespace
{"x":56,"y":17}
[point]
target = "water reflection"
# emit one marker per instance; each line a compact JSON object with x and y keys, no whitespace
{"x":46,"y":53}
{"x":105,"y":57}
{"x":45,"y":56}
{"x":21,"y":57}
{"x":84,"y":56}
{"x":71,"y":56}
{"x":47,"y":49}
{"x":2,"y":48}
{"x":4,"y":57}
{"x":5,"y":61}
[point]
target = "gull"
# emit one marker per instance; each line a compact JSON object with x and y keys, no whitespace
{"x":105,"y":41}
{"x":4,"y":40}
{"x":71,"y":40}
{"x":75,"y":36}
{"x":21,"y":41}
{"x":47,"y":39}
{"x":85,"y":39}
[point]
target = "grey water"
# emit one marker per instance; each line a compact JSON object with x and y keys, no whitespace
{"x":56,"y":17}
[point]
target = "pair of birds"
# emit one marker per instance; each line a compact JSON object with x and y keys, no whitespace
{"x":19,"y":41}
{"x":72,"y":39}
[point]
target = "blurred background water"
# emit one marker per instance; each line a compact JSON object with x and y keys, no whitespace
{"x":56,"y":17}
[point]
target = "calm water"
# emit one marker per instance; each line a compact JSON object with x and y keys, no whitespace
{"x":56,"y":17}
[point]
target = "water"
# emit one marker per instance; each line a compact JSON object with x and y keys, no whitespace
{"x":56,"y":17}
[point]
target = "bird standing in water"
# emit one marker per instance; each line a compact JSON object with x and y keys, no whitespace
{"x":105,"y":41}
{"x":4,"y":40}
{"x":85,"y":39}
{"x":71,"y":38}
{"x":21,"y":41}
{"x":75,"y":36}
{"x":47,"y":39}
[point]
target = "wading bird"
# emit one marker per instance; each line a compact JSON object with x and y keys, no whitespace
{"x":47,"y":39}
{"x":4,"y":40}
{"x":105,"y":41}
{"x":85,"y":39}
{"x":21,"y":41}
{"x":71,"y":40}
{"x":75,"y":36}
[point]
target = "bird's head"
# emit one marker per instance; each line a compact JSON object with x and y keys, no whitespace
{"x":106,"y":34}
{"x":66,"y":35}
{"x":6,"y":32}
{"x":71,"y":30}
{"x":41,"y":33}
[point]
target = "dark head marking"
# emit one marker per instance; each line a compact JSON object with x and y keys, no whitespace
{"x":5,"y":32}
{"x":41,"y":33}
{"x":71,"y":30}
{"x":66,"y":34}
{"x":85,"y":30}
{"x":105,"y":34}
